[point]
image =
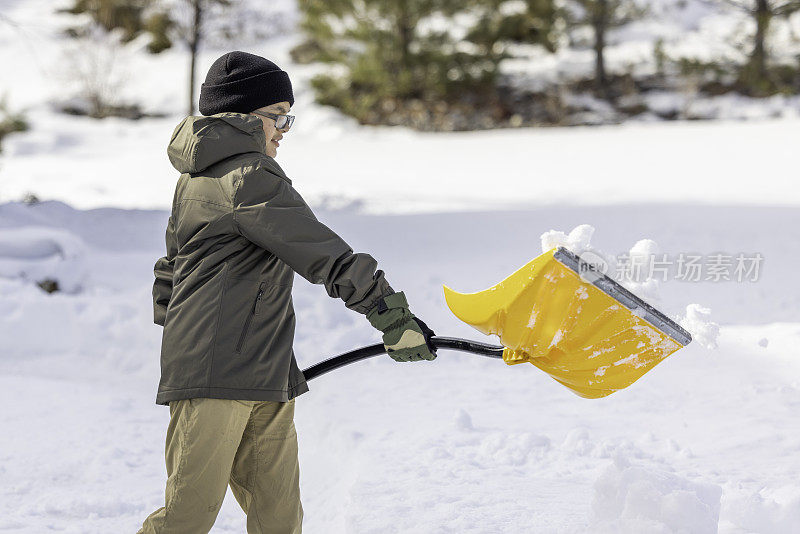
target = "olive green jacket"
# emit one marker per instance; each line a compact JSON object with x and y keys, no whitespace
{"x":237,"y":232}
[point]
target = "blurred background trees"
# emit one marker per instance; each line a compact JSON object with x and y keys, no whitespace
{"x":131,"y":17}
{"x":91,"y":61}
{"x":188,"y":18}
{"x":10,"y":121}
{"x":430,"y":63}
{"x":757,"y":77}
{"x":466,"y":64}
{"x":602,"y":16}
{"x":165,"y":22}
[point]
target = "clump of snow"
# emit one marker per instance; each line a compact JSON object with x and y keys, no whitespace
{"x":532,"y":319}
{"x":557,"y":337}
{"x":697,"y":321}
{"x":643,"y":250}
{"x":462,"y":420}
{"x":577,"y":240}
{"x":629,"y":498}
{"x":38,"y":253}
{"x":578,"y":441}
{"x":511,"y":449}
{"x":763,"y":511}
{"x":638,"y":279}
{"x":763,"y":342}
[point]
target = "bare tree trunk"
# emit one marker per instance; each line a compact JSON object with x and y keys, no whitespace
{"x":758,"y":57}
{"x":600,"y":25}
{"x":194,"y":43}
{"x":405,"y":32}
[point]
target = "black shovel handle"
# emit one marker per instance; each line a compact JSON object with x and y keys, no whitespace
{"x":451,"y":343}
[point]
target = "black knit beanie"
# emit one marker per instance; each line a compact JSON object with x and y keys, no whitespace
{"x":242,"y":82}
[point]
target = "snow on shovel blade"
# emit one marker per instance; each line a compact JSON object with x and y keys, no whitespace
{"x":587,"y":332}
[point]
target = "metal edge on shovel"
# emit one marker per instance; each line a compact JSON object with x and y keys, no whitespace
{"x":587,"y":271}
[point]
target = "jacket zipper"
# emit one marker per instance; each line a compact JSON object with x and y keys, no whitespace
{"x":249,"y":320}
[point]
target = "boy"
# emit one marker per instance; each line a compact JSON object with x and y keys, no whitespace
{"x":237,"y":233}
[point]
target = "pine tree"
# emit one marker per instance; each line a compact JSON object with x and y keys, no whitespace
{"x":166,"y":21}
{"x":415,"y":54}
{"x":514,"y":21}
{"x":393,"y":49}
{"x":130,"y":17}
{"x":755,"y":76}
{"x":10,"y":122}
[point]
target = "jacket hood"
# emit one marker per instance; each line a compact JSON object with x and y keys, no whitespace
{"x":199,"y":142}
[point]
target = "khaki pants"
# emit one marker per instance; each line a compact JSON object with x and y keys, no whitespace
{"x":251,"y":445}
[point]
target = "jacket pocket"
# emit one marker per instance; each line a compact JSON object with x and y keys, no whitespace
{"x":253,"y":312}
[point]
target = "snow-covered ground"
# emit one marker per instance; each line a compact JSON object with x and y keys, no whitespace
{"x":707,"y":441}
{"x":462,"y":444}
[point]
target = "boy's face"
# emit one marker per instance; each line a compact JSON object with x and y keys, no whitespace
{"x":273,"y":134}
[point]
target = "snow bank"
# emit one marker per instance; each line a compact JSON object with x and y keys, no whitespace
{"x":38,"y":253}
{"x":633,"y":499}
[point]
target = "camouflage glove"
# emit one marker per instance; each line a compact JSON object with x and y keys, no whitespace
{"x":406,"y":338}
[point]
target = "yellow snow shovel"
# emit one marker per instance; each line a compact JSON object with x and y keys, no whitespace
{"x":561,"y":314}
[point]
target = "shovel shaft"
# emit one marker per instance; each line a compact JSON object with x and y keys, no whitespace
{"x":450,"y":343}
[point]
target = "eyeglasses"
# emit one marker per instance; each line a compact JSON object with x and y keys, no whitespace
{"x":282,"y":122}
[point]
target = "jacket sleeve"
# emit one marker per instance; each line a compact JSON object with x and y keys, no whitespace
{"x":269,"y":212}
{"x":164,"y":267}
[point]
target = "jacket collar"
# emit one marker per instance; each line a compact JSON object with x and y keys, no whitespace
{"x":199,"y":142}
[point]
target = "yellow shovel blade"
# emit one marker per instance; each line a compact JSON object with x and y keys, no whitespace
{"x":591,"y":335}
